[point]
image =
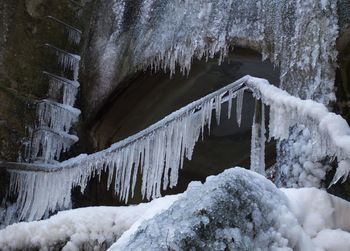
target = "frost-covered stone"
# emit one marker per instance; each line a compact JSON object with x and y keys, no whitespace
{"x":236,"y":210}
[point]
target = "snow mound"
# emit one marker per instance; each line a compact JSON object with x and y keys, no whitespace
{"x":93,"y":228}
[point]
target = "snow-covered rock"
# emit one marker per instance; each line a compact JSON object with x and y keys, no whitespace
{"x":236,"y":210}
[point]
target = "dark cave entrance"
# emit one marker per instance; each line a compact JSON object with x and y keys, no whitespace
{"x":148,"y":97}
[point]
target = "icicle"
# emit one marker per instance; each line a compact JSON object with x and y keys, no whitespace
{"x":74,"y":34}
{"x":159,"y":151}
{"x":47,"y":145}
{"x":229,"y":107}
{"x":257,"y":153}
{"x":62,"y":89}
{"x":239,"y":105}
{"x":56,"y":116}
{"x":163,"y":146}
{"x":218,"y":108}
{"x":68,"y":61}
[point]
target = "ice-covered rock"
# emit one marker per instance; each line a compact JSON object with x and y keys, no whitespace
{"x":236,"y":210}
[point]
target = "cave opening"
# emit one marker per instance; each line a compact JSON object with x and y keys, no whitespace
{"x":147,"y":97}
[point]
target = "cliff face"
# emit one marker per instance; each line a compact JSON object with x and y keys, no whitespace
{"x":160,"y":35}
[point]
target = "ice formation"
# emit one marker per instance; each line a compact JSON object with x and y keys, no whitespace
{"x":300,"y":169}
{"x":58,"y":117}
{"x":158,"y":152}
{"x":47,"y":145}
{"x":298,"y":36}
{"x":329,"y":132}
{"x":61,"y":89}
{"x":258,"y":140}
{"x":74,"y":34}
{"x":56,"y":114}
{"x":54,"y":120}
{"x":68,"y":61}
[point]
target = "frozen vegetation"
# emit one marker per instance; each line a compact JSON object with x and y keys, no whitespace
{"x":158,"y":152}
{"x":237,"y":209}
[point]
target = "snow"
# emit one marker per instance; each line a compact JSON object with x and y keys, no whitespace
{"x":289,"y":219}
{"x":329,"y":133}
{"x":93,"y":228}
{"x":316,"y":210}
{"x":333,"y":240}
{"x":324,"y":217}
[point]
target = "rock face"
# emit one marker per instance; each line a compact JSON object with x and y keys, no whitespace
{"x":24,"y":29}
{"x":163,"y":35}
{"x":236,"y":210}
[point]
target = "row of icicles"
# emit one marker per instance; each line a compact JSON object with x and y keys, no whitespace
{"x":56,"y":114}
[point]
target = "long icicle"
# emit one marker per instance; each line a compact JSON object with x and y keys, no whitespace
{"x":257,"y":152}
